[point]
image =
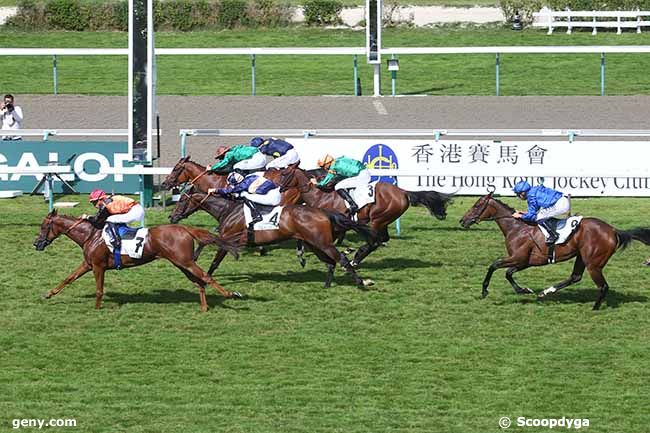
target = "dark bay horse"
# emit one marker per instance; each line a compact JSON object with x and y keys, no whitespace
{"x":592,"y":244}
{"x":172,"y":242}
{"x":186,"y":171}
{"x":316,"y":228}
{"x":390,"y":203}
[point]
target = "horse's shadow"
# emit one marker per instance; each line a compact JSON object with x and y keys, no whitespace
{"x":398,"y":263}
{"x":292,"y":276}
{"x":588,"y":296}
{"x":168,"y":296}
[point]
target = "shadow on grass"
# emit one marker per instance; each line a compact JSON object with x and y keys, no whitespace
{"x":588,"y":296}
{"x":298,"y":276}
{"x":397,"y":263}
{"x":178,"y":296}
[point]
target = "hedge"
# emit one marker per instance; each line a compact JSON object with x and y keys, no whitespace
{"x":181,"y":15}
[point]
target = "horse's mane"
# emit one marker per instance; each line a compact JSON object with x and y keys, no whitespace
{"x":511,"y":209}
{"x":223,"y":205}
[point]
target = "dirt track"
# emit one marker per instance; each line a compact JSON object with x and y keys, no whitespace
{"x":193,"y":112}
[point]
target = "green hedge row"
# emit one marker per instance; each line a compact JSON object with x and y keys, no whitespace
{"x":527,"y":7}
{"x":181,"y":15}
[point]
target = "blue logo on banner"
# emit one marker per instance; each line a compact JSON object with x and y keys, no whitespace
{"x":378,"y":157}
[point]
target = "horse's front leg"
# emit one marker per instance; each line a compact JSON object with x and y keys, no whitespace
{"x":516,"y":287}
{"x":499,"y":263}
{"x":300,"y":252}
{"x":82,"y":269}
{"x":99,"y":285}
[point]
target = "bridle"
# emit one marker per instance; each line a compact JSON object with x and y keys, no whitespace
{"x":50,"y":225}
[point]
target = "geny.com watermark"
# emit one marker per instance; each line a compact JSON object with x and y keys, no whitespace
{"x":17,"y":423}
{"x":568,"y":423}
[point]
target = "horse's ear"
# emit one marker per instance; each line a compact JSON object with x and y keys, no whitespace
{"x":187,"y":158}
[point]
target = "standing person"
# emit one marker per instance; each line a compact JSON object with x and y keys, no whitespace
{"x":243,"y":158}
{"x":353,"y":173}
{"x":543,"y":205}
{"x":118,"y":211}
{"x":12,"y":117}
{"x":282,"y":151}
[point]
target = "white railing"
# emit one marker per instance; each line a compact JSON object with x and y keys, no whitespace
{"x":547,"y":18}
{"x":342,"y":51}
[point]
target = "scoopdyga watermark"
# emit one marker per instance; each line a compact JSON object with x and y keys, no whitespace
{"x":550,"y":423}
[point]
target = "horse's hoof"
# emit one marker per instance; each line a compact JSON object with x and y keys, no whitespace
{"x":46,"y":295}
{"x":236,"y":295}
{"x":303,"y":262}
{"x":348,"y":250}
{"x":204,"y":309}
{"x":367,"y":282}
{"x":484,"y":294}
{"x":354,"y":264}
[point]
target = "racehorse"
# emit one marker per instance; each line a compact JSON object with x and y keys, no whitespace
{"x":592,"y":244}
{"x":202,"y":179}
{"x":390,"y":203}
{"x":172,"y":242}
{"x":315,"y":227}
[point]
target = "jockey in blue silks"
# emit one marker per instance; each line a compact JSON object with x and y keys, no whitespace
{"x":253,"y":188}
{"x":543,"y":205}
{"x":282,"y":151}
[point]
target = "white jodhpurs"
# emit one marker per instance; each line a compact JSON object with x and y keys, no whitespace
{"x":256,"y":162}
{"x":559,"y":209}
{"x":135,"y":214}
{"x":271,"y":198}
{"x":291,"y":157}
{"x":361,"y":179}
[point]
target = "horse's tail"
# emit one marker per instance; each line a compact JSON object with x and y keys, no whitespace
{"x":204,"y":237}
{"x":626,"y":237}
{"x":435,"y":201}
{"x":342,"y":223}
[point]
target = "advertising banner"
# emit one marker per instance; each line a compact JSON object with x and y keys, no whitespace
{"x":580,"y":168}
{"x":88,"y":159}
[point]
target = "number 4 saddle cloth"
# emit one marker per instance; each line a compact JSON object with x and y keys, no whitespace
{"x":133,"y":240}
{"x":270,"y":217}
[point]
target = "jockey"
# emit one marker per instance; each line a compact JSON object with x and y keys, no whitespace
{"x":253,"y":188}
{"x":283,"y":152}
{"x":241,"y":157}
{"x":118,"y":211}
{"x":354,"y":172}
{"x":543,"y":205}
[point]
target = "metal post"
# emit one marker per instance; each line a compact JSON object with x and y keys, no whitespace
{"x":183,"y":141}
{"x":253,"y":72}
{"x":377,"y":80}
{"x":356,"y":76}
{"x":54,"y":75}
{"x":141,"y":178}
{"x":498,"y":63}
{"x":393,"y":79}
{"x":50,"y":192}
{"x":602,"y":74}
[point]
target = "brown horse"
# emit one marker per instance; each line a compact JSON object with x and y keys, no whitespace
{"x":198,"y":176}
{"x":316,"y":228}
{"x":390,"y":203}
{"x":592,"y":244}
{"x":172,"y":242}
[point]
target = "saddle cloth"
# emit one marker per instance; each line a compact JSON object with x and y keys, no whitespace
{"x":363,"y":195}
{"x":565,"y":227}
{"x":132,"y":246}
{"x":270,"y":219}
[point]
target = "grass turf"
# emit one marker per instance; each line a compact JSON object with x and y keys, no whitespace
{"x":419,"y":353}
{"x":312,"y":75}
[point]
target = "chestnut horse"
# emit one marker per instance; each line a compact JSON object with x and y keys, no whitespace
{"x":316,"y":228}
{"x":390,"y":203}
{"x":592,"y":244}
{"x":172,"y":242}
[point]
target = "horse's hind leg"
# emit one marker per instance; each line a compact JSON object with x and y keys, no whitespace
{"x":99,"y":283}
{"x":331,"y":265}
{"x":601,"y":283}
{"x":517,"y":288}
{"x":576,"y":275}
{"x":218,"y":258}
{"x":207,"y":279}
{"x":200,"y":284}
{"x":82,"y":269}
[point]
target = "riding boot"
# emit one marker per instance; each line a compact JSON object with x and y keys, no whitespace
{"x":345,"y":195}
{"x":257,"y":217}
{"x":116,"y":241}
{"x":550,"y":225}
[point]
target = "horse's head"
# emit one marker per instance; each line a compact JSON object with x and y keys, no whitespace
{"x":178,"y":175}
{"x":48,"y":232}
{"x":482,"y":210}
{"x":287,"y":179}
{"x":189,"y":203}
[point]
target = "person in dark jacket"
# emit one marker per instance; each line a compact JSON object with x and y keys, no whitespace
{"x":282,"y":151}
